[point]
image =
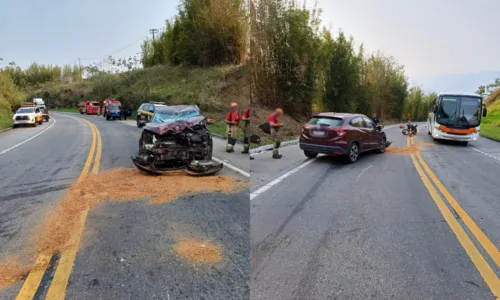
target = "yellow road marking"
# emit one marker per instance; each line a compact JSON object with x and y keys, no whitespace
{"x":476,"y":231}
{"x":477,"y":259}
{"x":487,"y":244}
{"x":57,"y":289}
{"x":35,"y":276}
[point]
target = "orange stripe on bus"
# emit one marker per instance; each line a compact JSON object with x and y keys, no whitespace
{"x":457,"y":131}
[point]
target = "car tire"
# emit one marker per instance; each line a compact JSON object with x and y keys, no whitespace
{"x":310,"y":154}
{"x":353,"y":153}
{"x":381,"y":146}
{"x":139,"y":125}
{"x":14,"y":126}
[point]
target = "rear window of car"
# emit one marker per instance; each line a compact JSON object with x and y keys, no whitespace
{"x":326,"y":121}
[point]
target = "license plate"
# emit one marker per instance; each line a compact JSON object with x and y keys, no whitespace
{"x":318,"y":132}
{"x":143,"y":117}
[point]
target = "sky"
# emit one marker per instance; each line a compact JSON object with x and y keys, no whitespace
{"x":435,"y":40}
{"x":61,"y":31}
{"x":432,"y":39}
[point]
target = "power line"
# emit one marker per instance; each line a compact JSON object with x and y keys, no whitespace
{"x":114,"y":52}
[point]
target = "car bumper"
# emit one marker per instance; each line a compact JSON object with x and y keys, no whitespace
{"x":21,"y":122}
{"x":454,"y":137}
{"x":330,"y":150}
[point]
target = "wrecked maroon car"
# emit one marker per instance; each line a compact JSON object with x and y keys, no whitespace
{"x":177,"y":138}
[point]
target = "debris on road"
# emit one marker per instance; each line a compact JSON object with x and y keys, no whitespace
{"x":11,"y":272}
{"x":410,"y":149}
{"x":122,"y":185}
{"x":199,"y":252}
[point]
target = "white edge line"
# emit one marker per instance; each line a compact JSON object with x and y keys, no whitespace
{"x":15,"y":146}
{"x":264,"y":188}
{"x":238,"y":170}
{"x":232,"y":167}
{"x":484,"y":153}
{"x":360,"y":174}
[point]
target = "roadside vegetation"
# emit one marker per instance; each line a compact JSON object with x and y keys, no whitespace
{"x":490,"y":126}
{"x":304,"y":68}
{"x":202,"y":57}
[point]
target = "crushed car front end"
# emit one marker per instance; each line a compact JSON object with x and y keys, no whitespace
{"x":177,"y":144}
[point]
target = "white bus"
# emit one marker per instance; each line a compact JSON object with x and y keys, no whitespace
{"x":456,"y":117}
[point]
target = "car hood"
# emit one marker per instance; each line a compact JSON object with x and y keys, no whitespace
{"x":175,"y":126}
{"x":22,"y":115}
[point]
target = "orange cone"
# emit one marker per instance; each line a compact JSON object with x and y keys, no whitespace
{"x":401,"y":125}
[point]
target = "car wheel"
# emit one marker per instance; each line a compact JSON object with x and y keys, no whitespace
{"x":14,"y":126}
{"x":310,"y":154}
{"x":139,"y":125}
{"x":381,"y":146}
{"x":353,"y":153}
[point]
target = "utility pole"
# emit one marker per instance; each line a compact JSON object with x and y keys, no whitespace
{"x":153,"y":31}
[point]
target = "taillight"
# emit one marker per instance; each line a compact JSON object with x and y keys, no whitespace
{"x":340,"y":131}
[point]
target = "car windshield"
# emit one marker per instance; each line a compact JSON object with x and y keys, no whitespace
{"x":113,"y":107}
{"x":459,"y":111}
{"x":173,"y":115}
{"x":94,"y":104}
{"x":25,"y":110}
{"x":325,"y":121}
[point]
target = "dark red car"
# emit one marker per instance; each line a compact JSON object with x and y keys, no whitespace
{"x":341,"y":134}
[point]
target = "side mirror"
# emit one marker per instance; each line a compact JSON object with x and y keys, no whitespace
{"x":210,"y":121}
{"x":484,"y":110}
{"x":380,"y":127}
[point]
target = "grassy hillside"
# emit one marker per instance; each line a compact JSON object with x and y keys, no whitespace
{"x":490,"y":126}
{"x":212,"y":89}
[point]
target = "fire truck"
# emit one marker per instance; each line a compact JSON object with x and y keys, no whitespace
{"x":89,"y":107}
{"x":106,"y":103}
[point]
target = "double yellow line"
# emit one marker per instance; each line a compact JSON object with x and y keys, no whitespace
{"x":57,"y":289}
{"x":428,"y":178}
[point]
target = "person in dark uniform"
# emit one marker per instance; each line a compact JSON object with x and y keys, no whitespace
{"x":375,"y":119}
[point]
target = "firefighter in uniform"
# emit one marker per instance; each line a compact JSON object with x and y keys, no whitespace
{"x":232,"y":120}
{"x":245,"y":126}
{"x":276,"y":125}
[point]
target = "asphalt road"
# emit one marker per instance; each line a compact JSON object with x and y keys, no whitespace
{"x":127,"y":252}
{"x":324,"y":229}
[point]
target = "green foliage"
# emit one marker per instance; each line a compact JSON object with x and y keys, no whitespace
{"x":36,"y":75}
{"x":212,"y":89}
{"x":284,"y":55}
{"x":204,"y":33}
{"x":10,"y":97}
{"x":303,"y":69}
{"x":487,"y":90}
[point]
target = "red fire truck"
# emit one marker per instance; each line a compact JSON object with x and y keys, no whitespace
{"x":89,"y":107}
{"x":107,"y":102}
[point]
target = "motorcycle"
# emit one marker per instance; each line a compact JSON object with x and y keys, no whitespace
{"x":410,"y":128}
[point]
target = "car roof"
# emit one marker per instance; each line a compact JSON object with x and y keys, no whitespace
{"x":177,"y":107}
{"x":338,"y":115}
{"x":460,"y":94}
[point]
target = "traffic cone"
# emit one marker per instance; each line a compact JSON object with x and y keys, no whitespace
{"x":401,"y":125}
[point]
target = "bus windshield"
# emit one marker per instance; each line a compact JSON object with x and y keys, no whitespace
{"x":460,"y":111}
